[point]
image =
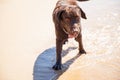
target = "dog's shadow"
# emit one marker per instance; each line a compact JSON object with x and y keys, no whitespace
{"x":44,"y":62}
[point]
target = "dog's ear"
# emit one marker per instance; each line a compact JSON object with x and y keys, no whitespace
{"x":59,"y":15}
{"x":83,"y":15}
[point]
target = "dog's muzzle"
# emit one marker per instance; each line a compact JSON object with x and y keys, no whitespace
{"x":73,"y":34}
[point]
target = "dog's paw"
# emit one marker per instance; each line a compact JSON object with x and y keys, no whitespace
{"x":57,"y":67}
{"x":82,"y":52}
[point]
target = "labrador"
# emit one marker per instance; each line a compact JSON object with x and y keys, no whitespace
{"x":66,"y":17}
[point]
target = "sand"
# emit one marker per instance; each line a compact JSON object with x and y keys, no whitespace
{"x":27,"y":42}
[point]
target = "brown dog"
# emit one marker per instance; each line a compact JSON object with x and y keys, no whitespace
{"x":66,"y":17}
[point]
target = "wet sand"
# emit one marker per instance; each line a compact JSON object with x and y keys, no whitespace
{"x":28,"y":42}
{"x":101,"y":38}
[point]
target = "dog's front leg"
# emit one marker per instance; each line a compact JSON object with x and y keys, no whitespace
{"x":79,"y":40}
{"x":59,"y":43}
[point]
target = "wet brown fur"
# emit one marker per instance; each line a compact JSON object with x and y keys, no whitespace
{"x":66,"y":17}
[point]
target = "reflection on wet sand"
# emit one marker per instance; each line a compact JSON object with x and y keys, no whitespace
{"x":92,"y":66}
{"x":102,"y":41}
{"x":101,"y":38}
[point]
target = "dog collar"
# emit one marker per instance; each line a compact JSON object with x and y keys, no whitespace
{"x":65,"y":31}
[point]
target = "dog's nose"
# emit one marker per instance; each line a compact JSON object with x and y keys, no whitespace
{"x":75,"y":30}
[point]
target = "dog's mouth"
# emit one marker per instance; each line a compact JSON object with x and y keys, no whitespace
{"x":71,"y":33}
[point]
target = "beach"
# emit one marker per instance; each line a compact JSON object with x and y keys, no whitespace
{"x":27,"y":42}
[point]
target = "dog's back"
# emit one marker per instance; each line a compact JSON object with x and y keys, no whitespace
{"x":62,"y":3}
{"x":70,"y":2}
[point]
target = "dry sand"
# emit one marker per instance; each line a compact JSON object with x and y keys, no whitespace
{"x":26,"y":29}
{"x":27,"y":42}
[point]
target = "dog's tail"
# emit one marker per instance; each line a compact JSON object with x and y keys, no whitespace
{"x":82,"y":0}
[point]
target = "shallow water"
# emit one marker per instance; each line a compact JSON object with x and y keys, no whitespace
{"x":101,"y":38}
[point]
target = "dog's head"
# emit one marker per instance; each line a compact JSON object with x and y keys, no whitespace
{"x":69,"y":17}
